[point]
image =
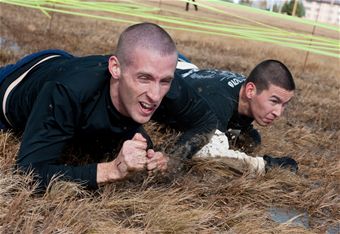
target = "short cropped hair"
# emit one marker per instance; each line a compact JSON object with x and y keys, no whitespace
{"x":145,"y":35}
{"x":271,"y":72}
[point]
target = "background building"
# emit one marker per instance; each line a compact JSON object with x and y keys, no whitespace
{"x":328,"y":10}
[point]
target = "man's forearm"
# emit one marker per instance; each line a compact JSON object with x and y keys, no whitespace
{"x":109,"y":172}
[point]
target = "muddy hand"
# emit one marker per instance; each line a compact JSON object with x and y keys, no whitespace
{"x":156,"y":161}
{"x":132,"y":156}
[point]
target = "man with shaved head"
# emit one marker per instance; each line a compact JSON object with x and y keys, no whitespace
{"x":96,"y":102}
{"x":203,"y":101}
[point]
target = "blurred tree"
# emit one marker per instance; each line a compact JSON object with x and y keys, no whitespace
{"x":262,"y":4}
{"x":245,"y":2}
{"x":288,"y":8}
{"x":276,"y":8}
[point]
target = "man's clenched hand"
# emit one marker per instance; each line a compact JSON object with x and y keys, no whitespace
{"x":131,"y":158}
{"x":156,"y":161}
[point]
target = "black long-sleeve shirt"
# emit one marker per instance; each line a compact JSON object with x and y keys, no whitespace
{"x":199,"y":102}
{"x":185,"y":110}
{"x":221,"y":90}
{"x":59,"y":100}
{"x":64,"y":99}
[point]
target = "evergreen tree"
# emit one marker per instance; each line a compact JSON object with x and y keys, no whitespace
{"x":288,"y":8}
{"x":276,"y":8}
{"x":245,"y":2}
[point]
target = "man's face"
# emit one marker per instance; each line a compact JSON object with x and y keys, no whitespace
{"x":144,"y":83}
{"x":269,"y":104}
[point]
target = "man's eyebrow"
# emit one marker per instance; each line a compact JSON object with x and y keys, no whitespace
{"x":168,"y":77}
{"x":279,"y":99}
{"x":143,"y":73}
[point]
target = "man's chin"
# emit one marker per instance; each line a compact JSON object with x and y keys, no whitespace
{"x":142,"y":119}
{"x":262,"y":123}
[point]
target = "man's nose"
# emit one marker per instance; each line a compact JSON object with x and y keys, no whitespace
{"x":154,"y":92}
{"x":278,"y":110}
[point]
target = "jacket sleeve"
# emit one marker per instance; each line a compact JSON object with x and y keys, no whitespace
{"x":184,"y":109}
{"x":50,"y":126}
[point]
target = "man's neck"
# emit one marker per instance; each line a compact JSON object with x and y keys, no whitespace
{"x":114,"y":95}
{"x":243,"y":103}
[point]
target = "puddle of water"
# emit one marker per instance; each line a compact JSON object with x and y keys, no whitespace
{"x":10,"y":45}
{"x":334,"y":230}
{"x":296,"y":217}
{"x":282,"y":215}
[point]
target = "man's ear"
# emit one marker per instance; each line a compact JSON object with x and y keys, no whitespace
{"x":250,"y":90}
{"x":114,"y":67}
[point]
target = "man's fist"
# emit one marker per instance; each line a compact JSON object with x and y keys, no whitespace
{"x":156,"y":161}
{"x":132,"y":156}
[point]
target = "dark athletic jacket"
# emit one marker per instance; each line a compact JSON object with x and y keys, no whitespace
{"x":60,"y":100}
{"x":185,"y":110}
{"x":65,"y":100}
{"x":201,"y":101}
{"x":221,"y":90}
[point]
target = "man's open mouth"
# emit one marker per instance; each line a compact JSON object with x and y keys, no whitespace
{"x":147,"y":108}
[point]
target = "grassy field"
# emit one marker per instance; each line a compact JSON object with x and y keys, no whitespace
{"x":207,"y":197}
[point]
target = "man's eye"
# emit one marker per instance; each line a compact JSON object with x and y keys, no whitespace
{"x":166,"y":81}
{"x":143,"y":78}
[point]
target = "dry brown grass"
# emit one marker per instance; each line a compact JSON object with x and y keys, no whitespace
{"x":210,"y":195}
